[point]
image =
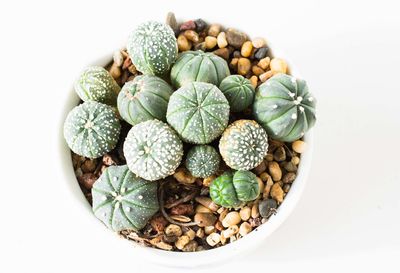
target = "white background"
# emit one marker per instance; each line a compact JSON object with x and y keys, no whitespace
{"x":348,"y":218}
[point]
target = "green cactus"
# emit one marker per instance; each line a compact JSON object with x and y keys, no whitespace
{"x":284,"y":107}
{"x":145,"y":97}
{"x":202,"y":161}
{"x":199,"y":112}
{"x":92,"y":129}
{"x":96,"y":84}
{"x":153,"y":150}
{"x":122,"y":200}
{"x":152,"y":47}
{"x":243,"y":145}
{"x":239,"y":92}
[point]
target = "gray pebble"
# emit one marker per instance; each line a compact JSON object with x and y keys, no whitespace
{"x":200,"y":25}
{"x":261,"y":53}
{"x":235,"y":38}
{"x":267,"y":207}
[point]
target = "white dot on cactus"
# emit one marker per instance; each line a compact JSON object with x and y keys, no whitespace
{"x":291,"y":94}
{"x":128,"y":209}
{"x":140,"y":197}
{"x":141,"y":153}
{"x":275,"y":106}
{"x":296,"y":102}
{"x":310,"y":99}
{"x":301,"y":108}
{"x":123,"y":190}
{"x":104,"y":198}
{"x":118,"y":198}
{"x":294,"y":116}
{"x":115,"y":179}
{"x":299,"y":98}
{"x":117,"y":205}
{"x":88,"y":124}
{"x":293,"y":79}
{"x":114,"y":194}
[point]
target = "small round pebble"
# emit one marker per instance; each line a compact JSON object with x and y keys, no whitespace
{"x":264,"y":63}
{"x":266,"y":206}
{"x":214,"y":30}
{"x":188,"y":25}
{"x":247,"y":47}
{"x":258,"y":42}
{"x":254,"y":81}
{"x":118,"y":58}
{"x":299,"y":146}
{"x":221,"y":40}
{"x":183,"y":43}
{"x":244,"y":66}
{"x":182,"y":241}
{"x":235,"y":38}
{"x":278,"y":65}
{"x":275,"y":171}
{"x":265,"y":76}
{"x":200,"y":25}
{"x":245,"y":228}
{"x":277,"y":192}
{"x":205,"y":219}
{"x":211,"y":42}
{"x":213,"y":239}
{"x":232,"y":218}
{"x":245,"y":213}
{"x":261,"y":53}
{"x":295,"y":160}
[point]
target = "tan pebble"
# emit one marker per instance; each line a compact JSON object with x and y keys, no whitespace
{"x":213,"y":239}
{"x":286,"y":188}
{"x":191,"y":234}
{"x":260,"y":185}
{"x":191,"y":35}
{"x":295,"y":160}
{"x":267,"y":187}
{"x":89,"y":166}
{"x":163,"y":245}
{"x":207,"y":181}
{"x":275,"y":171}
{"x":214,"y":30}
{"x":230,"y":231}
{"x":264,"y":62}
{"x":132,"y":69}
{"x":278,"y":65}
{"x":183,"y":43}
{"x":183,"y":176}
{"x":254,"y":210}
{"x":259,"y":42}
{"x":223,"y":239}
{"x":260,"y":168}
{"x":209,"y":229}
{"x":265,"y":177}
{"x":190,"y":247}
{"x":221,"y":40}
{"x":232,"y":218}
{"x":200,"y":233}
{"x":257,"y":70}
{"x":234,"y":62}
{"x":218,"y":226}
{"x":118,"y":58}
{"x":265,"y":76}
{"x":289,"y":177}
{"x":246,"y":49}
{"x":277,"y":193}
{"x":202,"y":209}
{"x":115,"y":71}
{"x":221,"y":210}
{"x":254,"y":81}
{"x":245,"y":213}
{"x":245,"y":228}
{"x":280,"y":154}
{"x":244,"y":66}
{"x":205,"y":219}
{"x":182,"y":241}
{"x":299,"y":146}
{"x":211,"y":42}
{"x":269,"y":157}
{"x":207,"y":202}
{"x":223,"y":214}
{"x":173,"y":229}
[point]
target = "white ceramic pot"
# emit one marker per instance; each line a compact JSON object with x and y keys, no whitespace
{"x":194,"y":259}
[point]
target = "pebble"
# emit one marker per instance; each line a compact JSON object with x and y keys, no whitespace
{"x":234,"y":63}
{"x":182,"y":241}
{"x":207,"y":181}
{"x":211,"y":42}
{"x":260,"y":185}
{"x":190,"y":247}
{"x":230,"y":231}
{"x":170,"y":239}
{"x":277,"y":192}
{"x":259,"y":42}
{"x":202,"y":209}
{"x":260,"y":168}
{"x":265,"y":76}
{"x":289,"y":177}
{"x":173,"y":230}
{"x":266,"y":206}
{"x":164,"y":246}
{"x":115,"y":71}
{"x":245,"y":213}
{"x":207,"y":202}
{"x":200,"y":233}
{"x":127,"y":63}
{"x":214,"y":30}
{"x":222,"y":214}
{"x":87,"y":180}
{"x":213,"y":239}
{"x":295,"y":160}
{"x":264,"y":63}
{"x":132,"y":69}
{"x":235,"y":38}
{"x":254,"y":81}
{"x":182,"y":209}
{"x":183,"y":176}
{"x":232,"y":218}
{"x":200,"y":46}
{"x":289,"y":166}
{"x":222,"y":52}
{"x":278,"y":65}
{"x":269,"y":157}
{"x":255,"y":222}
{"x":190,"y":233}
{"x":205,"y":219}
{"x":118,"y":58}
{"x":261,"y":53}
{"x":218,"y":226}
{"x":245,"y":228}
{"x":244,"y":66}
{"x":221,"y":40}
{"x":299,"y":146}
{"x":286,"y":188}
{"x":191,"y":35}
{"x":280,"y":154}
{"x":183,"y":43}
{"x":247,"y":48}
{"x":89,"y":166}
{"x":200,"y":25}
{"x":275,"y":171}
{"x":257,"y":70}
{"x":171,"y":21}
{"x":158,"y":223}
{"x":254,"y":210}
{"x":267,"y":187}
{"x":188,"y":25}
{"x":209,"y":229}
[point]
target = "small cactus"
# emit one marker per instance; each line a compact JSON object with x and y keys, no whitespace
{"x":238,"y":91}
{"x":202,"y":161}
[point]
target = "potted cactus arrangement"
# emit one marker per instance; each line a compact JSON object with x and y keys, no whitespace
{"x":191,"y":137}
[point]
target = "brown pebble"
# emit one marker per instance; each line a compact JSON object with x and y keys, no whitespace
{"x":267,"y":187}
{"x":299,"y":146}
{"x":127,"y":63}
{"x":289,"y":166}
{"x":132,"y":69}
{"x":280,"y":154}
{"x":200,"y":233}
{"x":234,"y":63}
{"x":183,"y":43}
{"x":115,"y":71}
{"x":202,"y":209}
{"x":108,"y":160}
{"x":260,"y":185}
{"x":211,"y":42}
{"x":89,"y":166}
{"x":188,"y":25}
{"x":182,"y":209}
{"x":260,"y":168}
{"x":289,"y":177}
{"x":214,"y":30}
{"x":269,"y":157}
{"x":257,"y":70}
{"x":171,"y":21}
{"x":235,"y":38}
{"x":295,"y":160}
{"x":190,"y":247}
{"x":245,"y":228}
{"x":255,"y":222}
{"x":207,"y":202}
{"x":254,"y":81}
{"x":205,"y":219}
{"x":245,"y":213}
{"x":173,"y":229}
{"x":191,"y":35}
{"x":158,"y":223}
{"x":247,"y":48}
{"x":277,"y":192}
{"x":200,"y":46}
{"x":286,"y":188}
{"x":222,"y":52}
{"x":275,"y":171}
{"x":264,"y":63}
{"x":184,"y":177}
{"x":87,"y":180}
{"x":207,"y":181}
{"x":244,"y":66}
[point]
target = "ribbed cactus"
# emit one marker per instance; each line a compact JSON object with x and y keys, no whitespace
{"x":202,"y":161}
{"x":239,"y":92}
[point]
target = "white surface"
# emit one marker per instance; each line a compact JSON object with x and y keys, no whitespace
{"x":349,"y":216}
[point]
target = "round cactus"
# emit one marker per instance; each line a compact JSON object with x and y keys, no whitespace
{"x":232,"y":190}
{"x":239,"y":92}
{"x":92,"y":129}
{"x":96,"y":84}
{"x":198,"y":66}
{"x":202,"y":161}
{"x":152,"y":48}
{"x":199,"y":112}
{"x":243,"y":145}
{"x":152,"y":150}
{"x":144,"y":98}
{"x":284,"y":107}
{"x":122,"y":200}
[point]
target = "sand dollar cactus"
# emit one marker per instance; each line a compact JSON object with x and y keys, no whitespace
{"x":121,"y":200}
{"x":92,"y":129}
{"x":232,"y":190}
{"x":243,"y":145}
{"x":198,"y":66}
{"x":152,"y":48}
{"x":199,"y":112}
{"x":96,"y":84}
{"x":239,"y":92}
{"x":152,"y":150}
{"x":144,"y":98}
{"x":202,"y":161}
{"x":284,"y":107}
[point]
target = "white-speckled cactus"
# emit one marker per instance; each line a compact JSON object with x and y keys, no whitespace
{"x":121,"y":200}
{"x":153,"y":48}
{"x":202,"y":161}
{"x":92,"y":129}
{"x":153,"y":150}
{"x":199,"y":112}
{"x":243,"y":145}
{"x":96,"y":84}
